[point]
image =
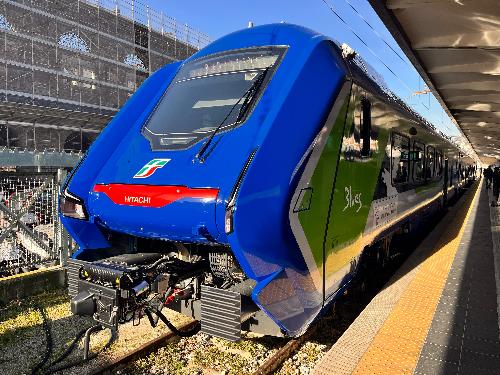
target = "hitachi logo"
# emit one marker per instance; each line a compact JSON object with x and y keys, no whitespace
{"x":141,"y":200}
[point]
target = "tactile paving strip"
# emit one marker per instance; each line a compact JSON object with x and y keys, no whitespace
{"x":495,"y":234}
{"x":388,"y":335}
{"x":463,"y":338}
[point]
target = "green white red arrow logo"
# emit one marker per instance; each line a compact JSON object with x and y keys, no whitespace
{"x":151,"y":167}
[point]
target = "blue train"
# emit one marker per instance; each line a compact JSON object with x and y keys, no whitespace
{"x":242,"y":185}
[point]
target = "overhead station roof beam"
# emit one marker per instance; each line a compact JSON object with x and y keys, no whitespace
{"x":455,"y":46}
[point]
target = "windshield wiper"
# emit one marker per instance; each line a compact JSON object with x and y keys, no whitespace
{"x":248,"y":96}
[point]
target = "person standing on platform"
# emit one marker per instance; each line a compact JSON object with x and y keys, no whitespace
{"x":488,"y":175}
{"x":496,"y":186}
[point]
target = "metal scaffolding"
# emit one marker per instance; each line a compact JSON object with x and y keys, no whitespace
{"x":67,"y":66}
{"x":29,"y":225}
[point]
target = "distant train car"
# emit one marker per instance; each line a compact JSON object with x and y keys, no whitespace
{"x":242,"y":185}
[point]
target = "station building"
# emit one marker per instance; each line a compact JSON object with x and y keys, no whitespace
{"x":67,"y":66}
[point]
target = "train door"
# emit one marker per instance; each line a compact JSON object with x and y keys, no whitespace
{"x":429,"y":163}
{"x":445,"y":182}
{"x":418,"y":163}
{"x":364,"y":149}
{"x":309,"y":209}
{"x":452,"y":171}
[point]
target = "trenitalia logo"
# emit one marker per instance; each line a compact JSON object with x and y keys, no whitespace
{"x":151,"y":167}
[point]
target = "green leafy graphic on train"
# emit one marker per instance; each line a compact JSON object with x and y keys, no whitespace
{"x":355,"y":184}
{"x":313,"y":221}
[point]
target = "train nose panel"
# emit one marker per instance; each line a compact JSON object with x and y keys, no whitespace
{"x":151,"y":195}
{"x":178,"y":213}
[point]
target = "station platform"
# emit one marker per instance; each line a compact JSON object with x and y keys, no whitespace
{"x":439,"y":313}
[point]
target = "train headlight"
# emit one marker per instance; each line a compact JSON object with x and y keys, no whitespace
{"x":231,"y":205}
{"x":72,"y":206}
{"x":228,"y":220}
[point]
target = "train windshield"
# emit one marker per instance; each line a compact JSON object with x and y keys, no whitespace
{"x":208,"y":93}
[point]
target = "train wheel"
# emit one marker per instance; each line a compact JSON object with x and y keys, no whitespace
{"x":382,"y":261}
{"x":363,"y":285}
{"x":384,"y":252}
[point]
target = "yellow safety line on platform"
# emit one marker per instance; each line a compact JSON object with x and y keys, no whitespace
{"x":396,"y":347}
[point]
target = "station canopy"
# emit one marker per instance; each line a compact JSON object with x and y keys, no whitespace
{"x":455,"y":46}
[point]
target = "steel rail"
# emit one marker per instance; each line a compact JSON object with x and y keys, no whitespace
{"x":285,"y":352}
{"x":141,"y":351}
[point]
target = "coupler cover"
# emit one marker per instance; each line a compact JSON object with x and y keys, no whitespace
{"x":97,"y":301}
{"x":221,"y":313}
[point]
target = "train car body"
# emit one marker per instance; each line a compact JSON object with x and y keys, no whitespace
{"x":242,"y":185}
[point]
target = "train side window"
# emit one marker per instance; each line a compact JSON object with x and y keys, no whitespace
{"x":429,"y":165}
{"x":417,"y":159}
{"x":439,"y":163}
{"x":366,"y":127}
{"x":400,"y":163}
{"x":451,"y":174}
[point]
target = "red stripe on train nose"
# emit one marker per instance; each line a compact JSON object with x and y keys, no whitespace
{"x":152,"y":195}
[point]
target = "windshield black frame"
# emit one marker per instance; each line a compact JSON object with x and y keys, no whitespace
{"x":181,"y":140}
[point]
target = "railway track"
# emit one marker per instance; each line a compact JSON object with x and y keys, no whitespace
{"x":276,"y":360}
{"x":270,"y":365}
{"x":142,"y":351}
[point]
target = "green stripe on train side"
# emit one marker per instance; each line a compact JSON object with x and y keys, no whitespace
{"x":313,"y":221}
{"x":354,"y":189}
{"x":353,"y":195}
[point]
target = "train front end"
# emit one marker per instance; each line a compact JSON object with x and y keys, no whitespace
{"x":182,"y":200}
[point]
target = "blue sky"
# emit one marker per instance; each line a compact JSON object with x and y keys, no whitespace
{"x":217,"y":18}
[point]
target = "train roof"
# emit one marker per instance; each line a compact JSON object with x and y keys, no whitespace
{"x":365,"y":74}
